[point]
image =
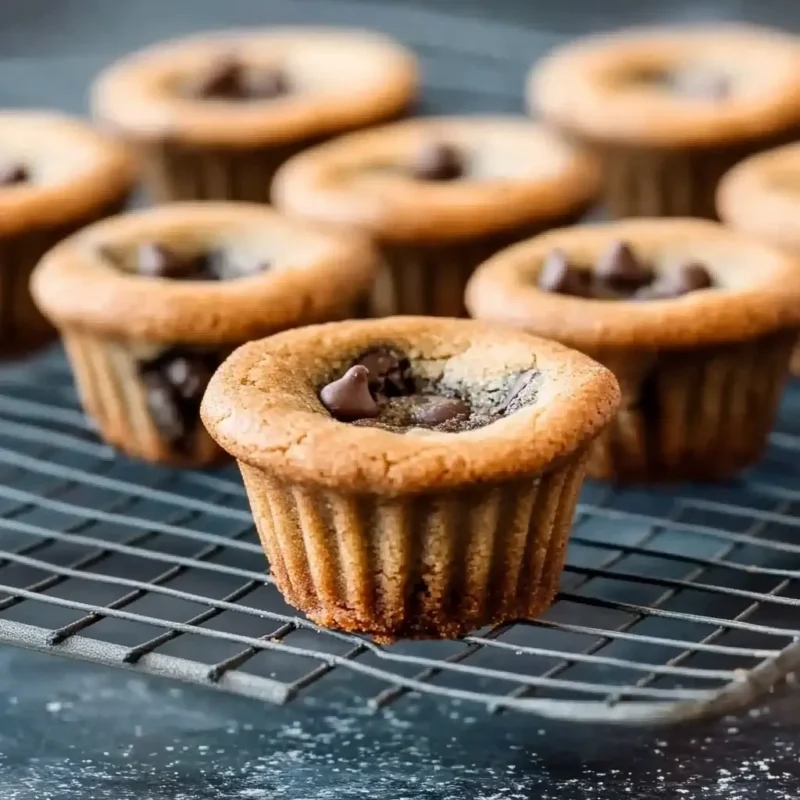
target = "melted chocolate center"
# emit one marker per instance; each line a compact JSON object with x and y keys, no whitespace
{"x":175,"y":381}
{"x":620,"y":275}
{"x":381,"y":390}
{"x":230,"y":79}
{"x":156,"y":260}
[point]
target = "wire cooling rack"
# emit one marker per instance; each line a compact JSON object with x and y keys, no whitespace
{"x":673,"y":605}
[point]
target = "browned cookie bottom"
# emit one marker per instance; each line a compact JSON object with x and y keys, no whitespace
{"x":422,"y":566}
{"x":695,"y":415}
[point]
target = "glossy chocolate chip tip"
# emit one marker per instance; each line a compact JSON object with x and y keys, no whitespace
{"x":620,"y":268}
{"x":348,"y":398}
{"x":560,"y":276}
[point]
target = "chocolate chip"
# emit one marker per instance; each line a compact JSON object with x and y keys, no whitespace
{"x":520,"y":386}
{"x":557,"y":274}
{"x":437,"y":161}
{"x":222,"y":80}
{"x":433,"y":411}
{"x":13,"y":174}
{"x":154,"y":260}
{"x":389,"y":373}
{"x":174,"y":382}
{"x":229,"y":79}
{"x":216,"y":264}
{"x":689,"y":278}
{"x":694,"y":276}
{"x":348,"y":398}
{"x":621,"y":269}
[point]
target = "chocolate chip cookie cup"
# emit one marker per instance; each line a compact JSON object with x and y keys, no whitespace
{"x":214,"y":115}
{"x":670,"y":111}
{"x":149,"y":303}
{"x":439,"y":196}
{"x":761,"y":197}
{"x":411,"y":477}
{"x":696,"y":321}
{"x":56,"y":175}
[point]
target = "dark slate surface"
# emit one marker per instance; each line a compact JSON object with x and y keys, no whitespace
{"x":69,"y":730}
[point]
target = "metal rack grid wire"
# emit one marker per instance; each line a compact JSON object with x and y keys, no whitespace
{"x":673,"y":605}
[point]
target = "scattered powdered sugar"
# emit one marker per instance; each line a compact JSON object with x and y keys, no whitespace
{"x":126,"y":738}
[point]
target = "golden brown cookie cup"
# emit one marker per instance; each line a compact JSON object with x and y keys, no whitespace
{"x":112,"y":319}
{"x":665,"y":152}
{"x":78,"y":176}
{"x":761,"y":197}
{"x":417,"y":534}
{"x":520,"y":179}
{"x":205,"y":149}
{"x":701,"y":374}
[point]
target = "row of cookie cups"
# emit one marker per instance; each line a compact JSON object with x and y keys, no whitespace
{"x":645,"y":151}
{"x":218,"y":150}
{"x":662,"y":151}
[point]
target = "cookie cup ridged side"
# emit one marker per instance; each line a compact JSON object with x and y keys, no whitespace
{"x":423,"y":565}
{"x":665,"y":182}
{"x":691,"y":415}
{"x":112,"y":320}
{"x":431,"y":278}
{"x":410,"y":535}
{"x":701,"y":375}
{"x":176,"y":172}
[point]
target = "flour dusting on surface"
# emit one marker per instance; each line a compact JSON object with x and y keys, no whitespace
{"x":105,"y":735}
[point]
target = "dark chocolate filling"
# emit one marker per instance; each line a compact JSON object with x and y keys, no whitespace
{"x":156,"y":260}
{"x":231,"y":80}
{"x":380,"y":389}
{"x":437,"y":161}
{"x":620,"y":275}
{"x":13,"y":174}
{"x":175,"y":381}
